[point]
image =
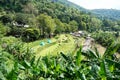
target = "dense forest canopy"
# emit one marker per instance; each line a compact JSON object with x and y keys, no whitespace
{"x":58,"y":14}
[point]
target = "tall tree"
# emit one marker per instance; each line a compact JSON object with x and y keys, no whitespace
{"x":59,"y":26}
{"x":46,"y":24}
{"x":95,"y":24}
{"x":73,"y":25}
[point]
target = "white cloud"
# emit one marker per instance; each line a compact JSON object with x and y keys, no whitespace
{"x":96,"y":4}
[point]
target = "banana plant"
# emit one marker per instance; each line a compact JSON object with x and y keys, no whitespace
{"x":103,"y":67}
{"x":92,"y":66}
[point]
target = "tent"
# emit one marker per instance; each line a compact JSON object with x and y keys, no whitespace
{"x":49,"y":41}
{"x":42,"y":43}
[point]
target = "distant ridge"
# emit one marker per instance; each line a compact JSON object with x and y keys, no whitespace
{"x":71,"y":4}
{"x":112,"y":14}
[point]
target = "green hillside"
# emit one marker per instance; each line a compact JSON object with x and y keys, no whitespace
{"x":112,"y":14}
{"x":37,"y":19}
{"x":56,"y":40}
{"x":70,"y":4}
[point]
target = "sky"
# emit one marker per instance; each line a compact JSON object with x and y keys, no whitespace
{"x":98,"y":4}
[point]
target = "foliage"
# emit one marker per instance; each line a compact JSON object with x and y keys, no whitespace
{"x":8,"y":18}
{"x":51,"y":16}
{"x":59,"y":26}
{"x":31,"y":34}
{"x":73,"y":25}
{"x":22,"y":18}
{"x":95,"y":24}
{"x":16,"y":31}
{"x":13,"y":5}
{"x":104,"y":38}
{"x":3,"y":29}
{"x":18,"y":61}
{"x":107,"y":13}
{"x":8,"y":40}
{"x":46,"y":24}
{"x":67,"y":67}
{"x":30,"y":9}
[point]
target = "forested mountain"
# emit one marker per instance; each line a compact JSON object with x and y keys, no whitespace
{"x":57,"y":17}
{"x":112,"y":14}
{"x":48,"y":17}
{"x":70,"y":4}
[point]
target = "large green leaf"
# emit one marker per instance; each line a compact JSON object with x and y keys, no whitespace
{"x":117,"y":64}
{"x":64,"y":56}
{"x":13,"y":75}
{"x":26,"y":64}
{"x":97,"y":53}
{"x":2,"y":77}
{"x":78,"y":57}
{"x":82,"y":76}
{"x":93,"y":54}
{"x":112,"y":49}
{"x":104,"y":70}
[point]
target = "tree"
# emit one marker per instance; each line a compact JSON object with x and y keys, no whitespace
{"x":8,"y":18}
{"x":82,"y":25}
{"x":16,"y":31}
{"x":67,"y":28}
{"x":59,"y":26}
{"x":22,"y":18}
{"x":46,"y":24}
{"x":13,"y":5}
{"x":107,"y":24}
{"x":104,"y":38}
{"x":31,"y":34}
{"x":73,"y":25}
{"x":95,"y":24}
{"x":30,"y":9}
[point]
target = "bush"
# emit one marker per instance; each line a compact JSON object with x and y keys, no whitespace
{"x":31,"y":34}
{"x":5,"y":41}
{"x":104,"y":38}
{"x":8,"y":18}
{"x":22,"y":18}
{"x":3,"y":29}
{"x":119,"y":46}
{"x":16,"y":31}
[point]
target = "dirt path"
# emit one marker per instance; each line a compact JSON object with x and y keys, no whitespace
{"x":87,"y":44}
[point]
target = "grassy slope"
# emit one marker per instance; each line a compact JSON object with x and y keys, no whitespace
{"x":57,"y":45}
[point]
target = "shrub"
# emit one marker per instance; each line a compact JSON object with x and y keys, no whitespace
{"x":4,"y":29}
{"x":31,"y":34}
{"x":8,"y":18}
{"x":8,"y":40}
{"x":16,"y":31}
{"x":104,"y":38}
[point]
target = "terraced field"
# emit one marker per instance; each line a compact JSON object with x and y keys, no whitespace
{"x":61,"y":43}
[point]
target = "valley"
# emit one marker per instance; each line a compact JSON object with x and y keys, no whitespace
{"x":58,"y":40}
